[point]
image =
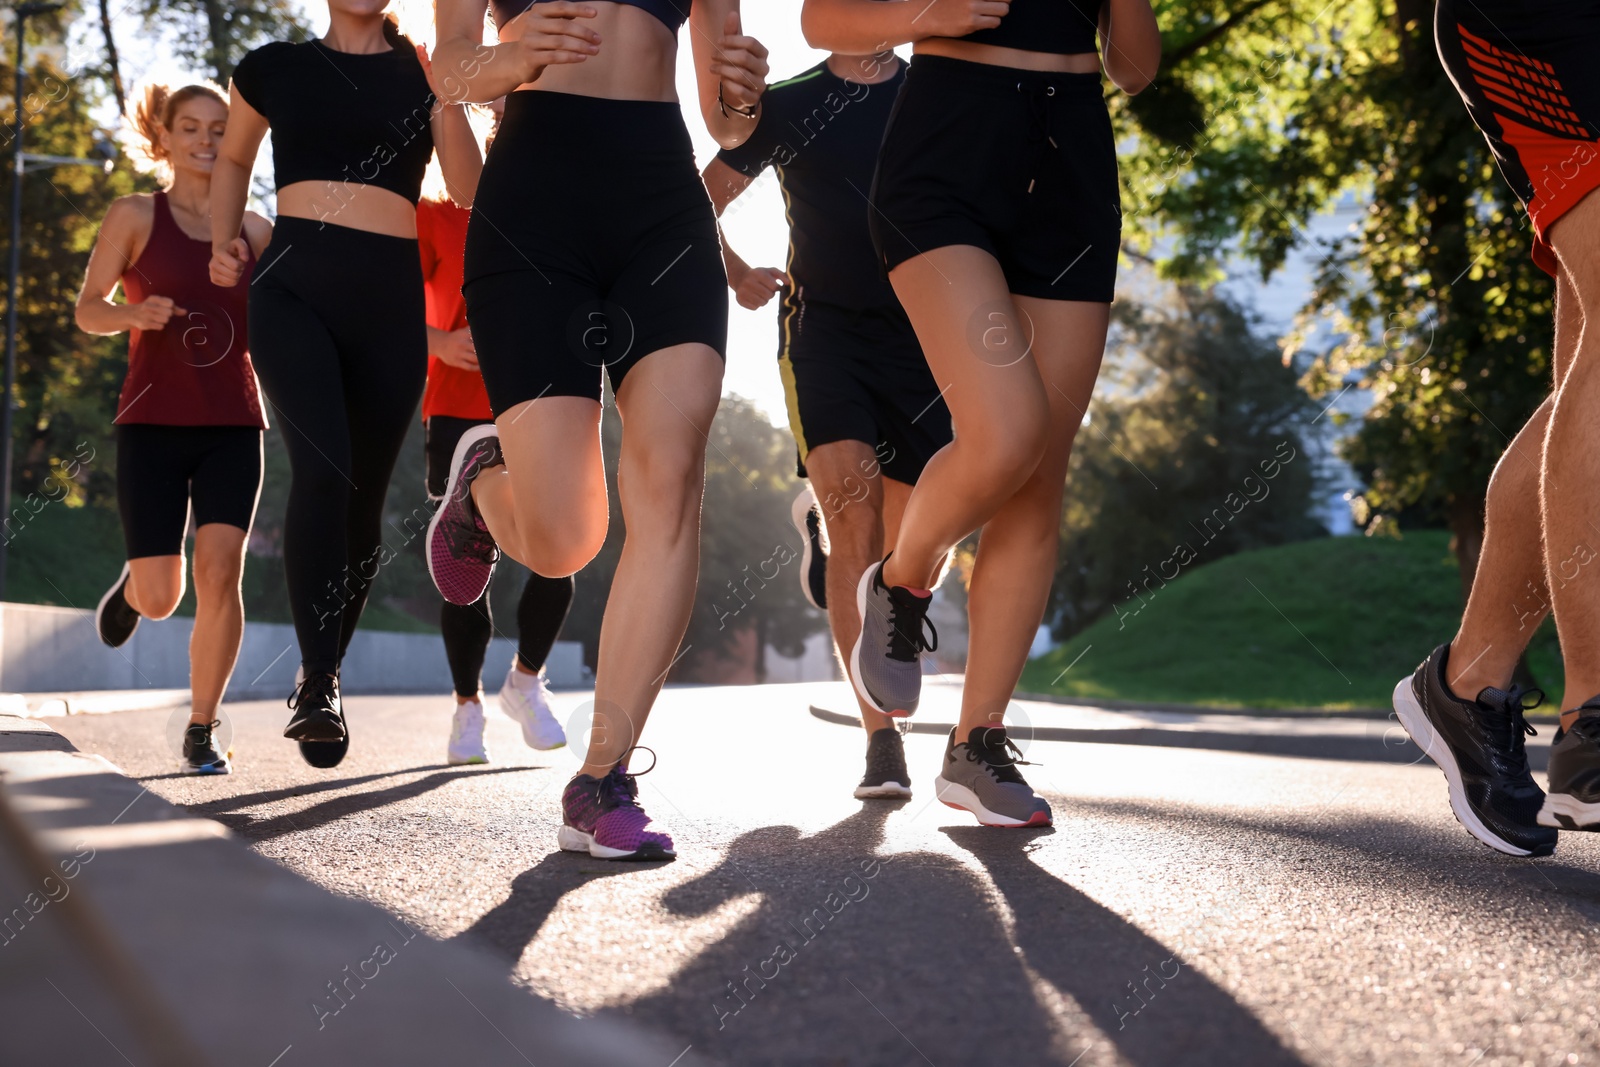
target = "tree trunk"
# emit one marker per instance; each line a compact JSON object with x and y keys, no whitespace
{"x":221,"y":40}
{"x":1466,"y":539}
{"x":761,"y":648}
{"x":112,"y":62}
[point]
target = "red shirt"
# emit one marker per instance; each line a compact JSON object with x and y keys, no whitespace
{"x":442,"y":239}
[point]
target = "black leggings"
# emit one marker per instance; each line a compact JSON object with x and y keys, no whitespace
{"x":468,"y":628}
{"x":338,"y":339}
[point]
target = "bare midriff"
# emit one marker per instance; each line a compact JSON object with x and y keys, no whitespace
{"x":994,"y":55}
{"x":350,"y":204}
{"x":638,"y":57}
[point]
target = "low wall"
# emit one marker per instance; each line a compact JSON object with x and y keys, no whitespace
{"x":46,"y":649}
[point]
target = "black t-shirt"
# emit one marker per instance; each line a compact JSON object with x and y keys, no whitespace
{"x":821,"y":133}
{"x":342,"y":117}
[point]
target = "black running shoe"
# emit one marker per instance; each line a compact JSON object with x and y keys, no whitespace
{"x":115,"y":620}
{"x":1479,"y":745}
{"x":317,"y":715}
{"x":1574,"y":800}
{"x":806,"y":514}
{"x":200,"y":752}
{"x":886,"y":767}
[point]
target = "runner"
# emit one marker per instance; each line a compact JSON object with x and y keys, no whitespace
{"x":995,"y":212}
{"x":865,"y":411}
{"x":453,"y":403}
{"x":593,"y":247}
{"x":189,"y":420}
{"x":1527,"y":76}
{"x":336,"y":306}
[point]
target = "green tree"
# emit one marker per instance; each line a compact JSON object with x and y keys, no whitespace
{"x":215,"y":35}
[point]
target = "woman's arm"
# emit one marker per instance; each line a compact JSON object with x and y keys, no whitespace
{"x":469,"y":70}
{"x":754,"y":286}
{"x":257,"y":231}
{"x":122,"y":236}
{"x":460,"y":155}
{"x":865,"y":27}
{"x":1130,"y":44}
{"x":230,"y":186}
{"x":730,"y":71}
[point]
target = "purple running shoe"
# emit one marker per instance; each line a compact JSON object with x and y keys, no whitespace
{"x":601,"y":816}
{"x":461,"y":551}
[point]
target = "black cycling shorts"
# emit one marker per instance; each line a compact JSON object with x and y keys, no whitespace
{"x":1019,"y":163}
{"x":163,"y":470}
{"x":592,"y":244}
{"x":859,"y":375}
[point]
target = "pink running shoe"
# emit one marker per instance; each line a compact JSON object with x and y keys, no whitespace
{"x":601,"y":816}
{"x":461,"y":551}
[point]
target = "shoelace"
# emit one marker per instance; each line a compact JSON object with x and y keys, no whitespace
{"x":908,"y":615}
{"x":312,"y":686}
{"x":1510,"y":731}
{"x":1587,"y":726}
{"x":620,"y":788}
{"x":474,"y":542}
{"x":207,"y":737}
{"x":1001,"y":756}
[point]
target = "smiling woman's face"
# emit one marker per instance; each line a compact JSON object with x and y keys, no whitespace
{"x":192,"y":140}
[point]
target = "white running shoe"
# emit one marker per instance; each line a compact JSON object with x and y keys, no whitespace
{"x":466,"y":735}
{"x":529,"y":708}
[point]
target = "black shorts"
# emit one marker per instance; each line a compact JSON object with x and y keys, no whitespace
{"x":162,"y":470}
{"x":592,"y":244}
{"x":1019,"y":163}
{"x":1526,"y":70}
{"x":859,"y":375}
{"x":441,"y":435}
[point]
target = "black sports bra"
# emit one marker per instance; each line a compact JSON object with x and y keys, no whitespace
{"x":671,"y":12}
{"x":1060,"y":27}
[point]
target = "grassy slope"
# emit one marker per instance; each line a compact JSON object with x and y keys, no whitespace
{"x":1327,"y":623}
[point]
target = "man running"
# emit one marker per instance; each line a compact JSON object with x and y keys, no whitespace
{"x":1525,"y":70}
{"x":863,"y":406}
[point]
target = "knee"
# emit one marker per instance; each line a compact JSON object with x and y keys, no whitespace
{"x":1014,"y":444}
{"x":662,"y":491}
{"x":158,"y":594}
{"x":853,"y":520}
{"x":563,"y":548}
{"x":217,"y":576}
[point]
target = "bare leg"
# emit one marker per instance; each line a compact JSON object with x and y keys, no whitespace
{"x":155,"y":585}
{"x":218,"y":616}
{"x":1018,"y":548}
{"x":1572,"y":464}
{"x":667,"y":403}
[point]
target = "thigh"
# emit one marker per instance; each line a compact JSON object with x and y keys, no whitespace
{"x":384,"y":367}
{"x":828,"y":402}
{"x":667,"y":405}
{"x":673,"y":292}
{"x":1069,"y":343}
{"x":1575,"y":238}
{"x":226,"y":482}
{"x":298,"y":363}
{"x":153,"y":469}
{"x":539,"y":333}
{"x":846,"y":479}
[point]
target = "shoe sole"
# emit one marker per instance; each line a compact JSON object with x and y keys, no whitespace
{"x":1415,"y":722}
{"x":100,"y":609}
{"x":1566,"y":812}
{"x":864,"y":587}
{"x":886,"y":791}
{"x":798,"y":511}
{"x":954,"y":795}
{"x":458,"y":459}
{"x":325,"y":754}
{"x":468,"y":762}
{"x":571,"y":839}
{"x":221,"y":767}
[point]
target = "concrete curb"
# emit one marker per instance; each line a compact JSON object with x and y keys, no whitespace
{"x":259,"y":965}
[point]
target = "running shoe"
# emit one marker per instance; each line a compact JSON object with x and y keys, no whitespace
{"x":115,"y":620}
{"x":806,"y":514}
{"x":201,"y":755}
{"x":886,"y":664}
{"x":466,"y":736}
{"x":980,"y":775}
{"x":461,"y":551}
{"x":317,"y":715}
{"x":602,"y":816}
{"x":1480,"y":745}
{"x":525,"y":699}
{"x":1574,"y":800}
{"x":886,"y":775}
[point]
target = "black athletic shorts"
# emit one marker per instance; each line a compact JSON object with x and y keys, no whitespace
{"x":859,"y":375}
{"x":592,"y":244}
{"x":441,"y":435}
{"x":1528,"y":73}
{"x":162,"y":470}
{"x":1019,"y":163}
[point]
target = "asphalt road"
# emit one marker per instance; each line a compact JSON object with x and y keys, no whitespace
{"x":1216,"y":892}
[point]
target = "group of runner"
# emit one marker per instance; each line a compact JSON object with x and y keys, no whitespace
{"x":954,"y":236}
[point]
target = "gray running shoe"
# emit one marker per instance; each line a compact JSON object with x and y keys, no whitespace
{"x":1574,"y":800}
{"x":886,"y":775}
{"x":980,"y":775}
{"x":886,"y":664}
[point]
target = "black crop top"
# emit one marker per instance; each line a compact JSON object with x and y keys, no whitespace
{"x":1060,"y":27}
{"x":342,"y":116}
{"x":671,"y":12}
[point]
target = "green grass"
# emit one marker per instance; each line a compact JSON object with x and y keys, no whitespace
{"x":1331,"y":623}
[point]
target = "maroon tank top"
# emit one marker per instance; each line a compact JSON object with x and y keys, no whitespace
{"x":195,"y":371}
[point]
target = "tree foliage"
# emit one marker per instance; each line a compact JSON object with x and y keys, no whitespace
{"x":214,"y":35}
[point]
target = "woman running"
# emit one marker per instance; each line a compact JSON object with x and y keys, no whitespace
{"x":189,"y":420}
{"x":336,"y":306}
{"x":996,"y":213}
{"x":453,"y":403}
{"x":593,"y":246}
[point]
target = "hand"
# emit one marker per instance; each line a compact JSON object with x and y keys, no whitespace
{"x":741,"y":63}
{"x":458,"y":350}
{"x":427,"y":71}
{"x":153,"y":313}
{"x":227,"y":263}
{"x":758,"y":286}
{"x":549,"y":35}
{"x":957,"y":18}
